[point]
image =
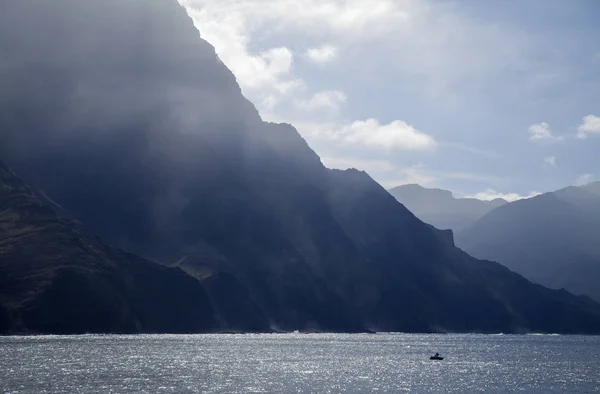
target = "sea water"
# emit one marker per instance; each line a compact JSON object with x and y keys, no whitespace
{"x":299,"y":363}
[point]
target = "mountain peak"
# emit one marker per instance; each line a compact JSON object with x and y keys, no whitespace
{"x":593,"y":187}
{"x":552,"y":238}
{"x":416,"y":188}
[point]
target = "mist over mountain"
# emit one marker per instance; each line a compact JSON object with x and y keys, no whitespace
{"x":440,"y":208}
{"x":552,"y":239}
{"x":135,"y":127}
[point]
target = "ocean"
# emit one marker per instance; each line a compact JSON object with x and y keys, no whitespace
{"x":299,"y":363}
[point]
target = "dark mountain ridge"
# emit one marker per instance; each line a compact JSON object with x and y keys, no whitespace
{"x":54,"y":278}
{"x":136,"y":128}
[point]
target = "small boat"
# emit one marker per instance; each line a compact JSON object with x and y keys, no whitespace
{"x":436,"y":357}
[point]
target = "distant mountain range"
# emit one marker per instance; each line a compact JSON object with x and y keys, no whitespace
{"x":552,"y":239}
{"x":134,"y":131}
{"x":441,"y":209}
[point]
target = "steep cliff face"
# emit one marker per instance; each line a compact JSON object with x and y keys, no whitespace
{"x":55,"y":279}
{"x":146,"y":139}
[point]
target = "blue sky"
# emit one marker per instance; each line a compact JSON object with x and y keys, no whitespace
{"x":484,"y":98}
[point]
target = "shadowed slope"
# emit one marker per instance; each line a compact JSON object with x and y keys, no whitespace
{"x":56,"y":279}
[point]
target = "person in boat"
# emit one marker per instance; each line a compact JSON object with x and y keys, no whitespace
{"x":436,"y":355}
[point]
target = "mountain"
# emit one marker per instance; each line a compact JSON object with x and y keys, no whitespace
{"x":552,"y":239}
{"x":136,"y":128}
{"x":56,"y":279}
{"x":439,"y":207}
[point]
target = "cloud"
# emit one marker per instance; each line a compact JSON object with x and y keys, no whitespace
{"x":265,"y":76}
{"x":241,"y":32}
{"x":435,"y":45}
{"x":330,"y":100}
{"x":396,"y":135}
{"x":590,"y":125}
{"x":322,"y":55}
{"x":481,"y":152}
{"x":550,"y":160}
{"x":433,"y":51}
{"x":269,"y":102}
{"x":343,"y":16}
{"x":584,"y":179}
{"x":541,"y":132}
{"x":491,"y":194}
{"x":266,"y":68}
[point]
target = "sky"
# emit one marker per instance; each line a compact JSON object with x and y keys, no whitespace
{"x":489,"y":99}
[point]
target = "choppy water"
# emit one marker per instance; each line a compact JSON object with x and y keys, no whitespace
{"x":320,"y":363}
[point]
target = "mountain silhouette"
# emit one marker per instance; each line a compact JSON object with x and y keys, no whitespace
{"x":136,"y":128}
{"x":552,"y":239}
{"x":55,"y":278}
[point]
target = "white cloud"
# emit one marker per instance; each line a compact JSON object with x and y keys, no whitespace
{"x":541,"y":132}
{"x":550,"y":160}
{"x":269,"y":102}
{"x":590,"y":125}
{"x":330,"y":100}
{"x":287,"y":87}
{"x":584,"y":179}
{"x":343,"y":16}
{"x":396,"y":135}
{"x":265,"y":76}
{"x":322,"y":55}
{"x":441,"y":50}
{"x":437,"y":46}
{"x":238,"y":29}
{"x":491,"y":194}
